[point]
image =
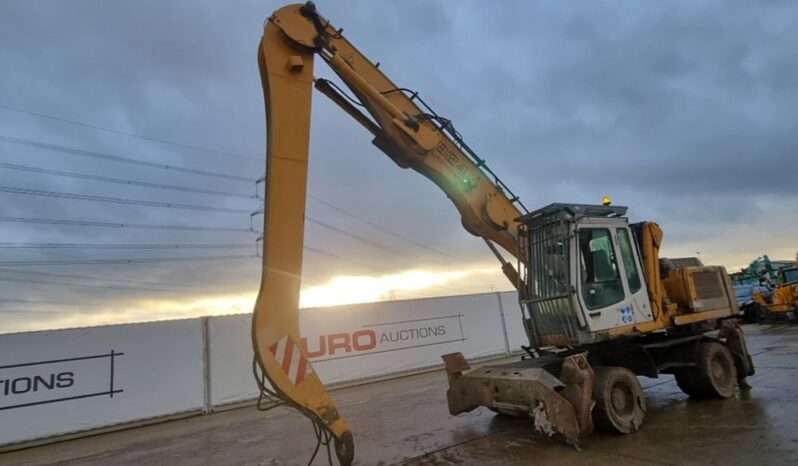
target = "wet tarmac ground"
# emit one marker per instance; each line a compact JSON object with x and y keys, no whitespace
{"x":406,"y":422}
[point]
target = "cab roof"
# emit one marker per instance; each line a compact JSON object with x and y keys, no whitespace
{"x":576,"y":211}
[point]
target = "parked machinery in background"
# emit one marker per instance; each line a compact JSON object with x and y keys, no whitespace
{"x":767,"y":291}
{"x":760,"y":270}
{"x":780,"y":302}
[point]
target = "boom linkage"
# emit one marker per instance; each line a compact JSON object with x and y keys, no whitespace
{"x":412,"y":134}
{"x":406,"y":129}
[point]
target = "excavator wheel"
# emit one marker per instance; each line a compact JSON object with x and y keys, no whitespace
{"x":685,"y":379}
{"x":620,"y":401}
{"x":714,"y":375}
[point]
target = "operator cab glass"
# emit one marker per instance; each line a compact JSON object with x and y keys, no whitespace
{"x":790,"y":275}
{"x":629,"y":262}
{"x":600,"y":278}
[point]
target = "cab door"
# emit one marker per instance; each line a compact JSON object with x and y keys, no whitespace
{"x":612,"y":291}
{"x":635,"y":282}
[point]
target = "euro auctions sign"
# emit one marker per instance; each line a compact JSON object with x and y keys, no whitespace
{"x":383,"y":337}
{"x":357,"y":341}
{"x":57,"y":380}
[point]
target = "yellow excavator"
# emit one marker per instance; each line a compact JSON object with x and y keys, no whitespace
{"x":782,"y":304}
{"x":598,"y":304}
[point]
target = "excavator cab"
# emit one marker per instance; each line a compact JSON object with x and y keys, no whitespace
{"x":581,"y":274}
{"x":789,"y":275}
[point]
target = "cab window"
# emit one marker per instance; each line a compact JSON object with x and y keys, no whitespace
{"x":600,"y":278}
{"x":629,"y":263}
{"x":790,"y":275}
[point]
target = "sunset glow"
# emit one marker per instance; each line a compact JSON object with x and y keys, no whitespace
{"x":362,"y":289}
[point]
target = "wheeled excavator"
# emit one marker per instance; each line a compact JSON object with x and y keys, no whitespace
{"x":598,"y":304}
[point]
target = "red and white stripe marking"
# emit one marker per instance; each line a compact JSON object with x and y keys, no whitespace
{"x":293,"y":362}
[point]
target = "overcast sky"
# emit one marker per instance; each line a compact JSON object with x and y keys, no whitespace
{"x":685,"y":111}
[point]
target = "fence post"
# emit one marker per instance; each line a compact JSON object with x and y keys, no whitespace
{"x":206,"y":364}
{"x":504,"y":325}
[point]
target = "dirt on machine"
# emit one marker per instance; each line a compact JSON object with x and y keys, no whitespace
{"x":598,"y":304}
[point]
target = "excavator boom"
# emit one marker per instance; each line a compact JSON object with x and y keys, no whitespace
{"x":287,"y":77}
{"x":404,"y":128}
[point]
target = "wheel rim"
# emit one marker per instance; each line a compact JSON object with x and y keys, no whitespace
{"x":720,"y":371}
{"x":622,"y":400}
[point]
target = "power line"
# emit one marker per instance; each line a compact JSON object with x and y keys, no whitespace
{"x":371,"y":224}
{"x":125,"y":133}
{"x":164,"y":166}
{"x":367,"y":241}
{"x":375,"y":244}
{"x":123,"y":181}
{"x":102,"y":279}
{"x":117,"y":200}
{"x":354,"y":236}
{"x":335,"y":256}
{"x":118,"y":158}
{"x":15,"y":311}
{"x":87,"y":223}
{"x":120,"y":261}
{"x":82,"y":285}
{"x":121,"y":246}
{"x":56,"y":303}
{"x":377,"y":227}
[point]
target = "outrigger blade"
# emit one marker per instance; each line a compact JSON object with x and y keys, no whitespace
{"x":559,"y":404}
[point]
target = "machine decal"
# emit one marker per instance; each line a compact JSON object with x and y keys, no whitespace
{"x":627,"y":316}
{"x":292,"y":361}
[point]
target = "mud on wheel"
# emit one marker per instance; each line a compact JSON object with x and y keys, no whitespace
{"x":714,"y":375}
{"x":620,"y":401}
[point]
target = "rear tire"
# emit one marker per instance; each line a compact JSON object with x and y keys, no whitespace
{"x":717,"y":375}
{"x":620,"y":401}
{"x":685,"y":379}
{"x":714,"y":375}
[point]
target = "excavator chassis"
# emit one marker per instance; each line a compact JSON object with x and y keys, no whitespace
{"x":558,"y":404}
{"x":562,"y":390}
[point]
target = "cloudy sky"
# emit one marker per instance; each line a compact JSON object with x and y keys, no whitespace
{"x":685,"y":111}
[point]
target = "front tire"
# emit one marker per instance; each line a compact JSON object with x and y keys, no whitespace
{"x":620,"y":401}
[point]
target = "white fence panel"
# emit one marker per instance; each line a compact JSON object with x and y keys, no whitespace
{"x":230,"y":342}
{"x":358,"y":341}
{"x":62,"y":381}
{"x":65,"y":381}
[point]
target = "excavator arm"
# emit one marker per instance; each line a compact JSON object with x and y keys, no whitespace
{"x":404,"y":128}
